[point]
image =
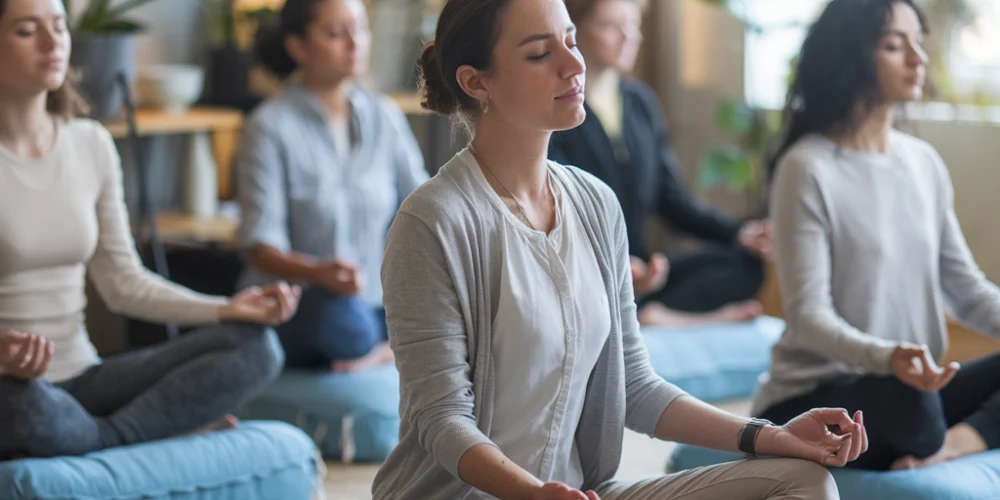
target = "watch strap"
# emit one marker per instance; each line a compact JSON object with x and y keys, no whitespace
{"x":747,"y":442}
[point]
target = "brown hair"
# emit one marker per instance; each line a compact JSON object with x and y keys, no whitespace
{"x":580,"y":9}
{"x":467,"y":31}
{"x":65,"y":101}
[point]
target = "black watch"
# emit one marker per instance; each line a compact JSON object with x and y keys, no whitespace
{"x":747,"y":441}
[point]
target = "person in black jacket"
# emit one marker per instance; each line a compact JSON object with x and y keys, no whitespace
{"x":624,"y":142}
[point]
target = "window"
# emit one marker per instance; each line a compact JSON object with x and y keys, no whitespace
{"x":973,"y":50}
{"x":770,"y":50}
{"x":975,"y":54}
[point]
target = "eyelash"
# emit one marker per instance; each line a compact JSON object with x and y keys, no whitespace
{"x":544,"y":56}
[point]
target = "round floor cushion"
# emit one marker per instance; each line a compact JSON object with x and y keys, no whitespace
{"x":352,"y":417}
{"x":971,"y":478}
{"x":254,"y":461}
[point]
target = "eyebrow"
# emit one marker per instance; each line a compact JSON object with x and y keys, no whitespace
{"x":33,"y":19}
{"x":899,"y":34}
{"x":543,"y":36}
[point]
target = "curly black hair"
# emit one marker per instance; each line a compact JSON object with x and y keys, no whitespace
{"x":836,"y":69}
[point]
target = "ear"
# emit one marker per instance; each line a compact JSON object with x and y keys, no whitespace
{"x":296,"y":48}
{"x":472,"y":82}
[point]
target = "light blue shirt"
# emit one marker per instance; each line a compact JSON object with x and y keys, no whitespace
{"x":297,"y":192}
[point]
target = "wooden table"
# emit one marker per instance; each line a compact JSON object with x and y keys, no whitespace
{"x":221,"y":123}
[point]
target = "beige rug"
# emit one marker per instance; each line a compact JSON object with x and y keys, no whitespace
{"x":642,"y":457}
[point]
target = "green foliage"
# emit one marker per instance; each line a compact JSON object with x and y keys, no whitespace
{"x":100,"y":16}
{"x":737,"y":163}
{"x":221,"y":22}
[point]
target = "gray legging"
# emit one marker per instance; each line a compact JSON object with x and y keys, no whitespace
{"x":145,"y":395}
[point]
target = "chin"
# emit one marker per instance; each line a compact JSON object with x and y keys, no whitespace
{"x":569,"y":120}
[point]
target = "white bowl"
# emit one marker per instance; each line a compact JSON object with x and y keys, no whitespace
{"x":173,"y":87}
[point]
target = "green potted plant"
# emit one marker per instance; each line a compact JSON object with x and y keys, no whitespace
{"x":103,"y":49}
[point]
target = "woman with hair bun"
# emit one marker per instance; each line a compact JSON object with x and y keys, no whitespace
{"x":510,"y":307}
{"x":321,"y":170}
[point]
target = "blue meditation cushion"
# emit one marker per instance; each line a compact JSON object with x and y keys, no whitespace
{"x":353,"y":417}
{"x":256,"y":460}
{"x":717,"y":362}
{"x":971,"y":478}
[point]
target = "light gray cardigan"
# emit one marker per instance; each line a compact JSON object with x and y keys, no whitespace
{"x":441,"y":277}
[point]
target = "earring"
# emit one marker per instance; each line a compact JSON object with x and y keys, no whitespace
{"x":485,"y":105}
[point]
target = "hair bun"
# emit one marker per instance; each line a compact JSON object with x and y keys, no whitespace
{"x":436,"y":95}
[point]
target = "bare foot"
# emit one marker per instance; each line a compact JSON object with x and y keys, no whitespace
{"x":740,"y":311}
{"x":380,"y":355}
{"x":225,"y":423}
{"x":960,"y":441}
{"x":655,"y":314}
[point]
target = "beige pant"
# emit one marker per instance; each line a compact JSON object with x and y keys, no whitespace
{"x":761,"y":479}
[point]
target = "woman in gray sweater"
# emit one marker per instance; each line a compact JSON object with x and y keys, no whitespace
{"x":870,"y":253}
{"x":510,"y":309}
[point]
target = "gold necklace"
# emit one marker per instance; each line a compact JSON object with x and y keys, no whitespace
{"x":509,"y":193}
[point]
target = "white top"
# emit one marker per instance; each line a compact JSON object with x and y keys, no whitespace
{"x":340,"y":129}
{"x":869,"y":253}
{"x":550,"y":327}
{"x":63,"y":217}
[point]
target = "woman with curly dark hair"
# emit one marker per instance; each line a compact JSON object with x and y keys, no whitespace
{"x":869,"y":251}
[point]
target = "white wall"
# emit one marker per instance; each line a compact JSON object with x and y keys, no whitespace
{"x":971,"y":151}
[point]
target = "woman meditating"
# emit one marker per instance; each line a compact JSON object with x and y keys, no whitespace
{"x":63,"y":216}
{"x":508,"y":296}
{"x":624,"y":142}
{"x":870,"y":253}
{"x":321,"y":171}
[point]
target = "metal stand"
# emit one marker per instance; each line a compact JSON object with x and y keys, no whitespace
{"x":145,"y":217}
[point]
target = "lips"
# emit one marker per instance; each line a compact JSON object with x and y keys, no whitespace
{"x":574,"y":92}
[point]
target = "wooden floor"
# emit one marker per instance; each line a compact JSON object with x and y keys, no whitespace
{"x":964,"y":343}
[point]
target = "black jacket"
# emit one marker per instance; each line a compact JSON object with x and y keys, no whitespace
{"x":641,"y":169}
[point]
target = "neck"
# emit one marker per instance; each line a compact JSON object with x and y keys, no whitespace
{"x":872,"y":133}
{"x":517,"y":158}
{"x":25,"y":125}
{"x":601,"y":81}
{"x":333,"y":95}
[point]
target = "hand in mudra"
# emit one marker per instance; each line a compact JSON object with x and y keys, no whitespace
{"x":559,"y":491}
{"x":827,"y":436}
{"x":24,"y":355}
{"x":268,"y":305}
{"x":649,"y":278}
{"x":912,"y":364}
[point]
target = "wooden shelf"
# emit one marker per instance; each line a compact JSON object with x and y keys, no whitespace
{"x":198,"y":119}
{"x":183,"y":228}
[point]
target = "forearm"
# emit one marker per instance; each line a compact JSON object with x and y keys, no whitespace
{"x":690,"y":421}
{"x":141,"y":294}
{"x":291,"y":266}
{"x":486,"y":468}
{"x":821,"y":330}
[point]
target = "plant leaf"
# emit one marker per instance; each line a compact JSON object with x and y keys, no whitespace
{"x":96,"y":9}
{"x":112,"y":26}
{"x":734,"y":117}
{"x":125,"y":6}
{"x":724,"y":165}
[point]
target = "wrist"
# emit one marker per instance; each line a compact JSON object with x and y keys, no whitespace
{"x":225,"y":311}
{"x":530,"y":490}
{"x":767,"y":441}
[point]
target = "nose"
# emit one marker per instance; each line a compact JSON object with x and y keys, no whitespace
{"x":573,"y":63}
{"x":49,"y":40}
{"x":917,"y":55}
